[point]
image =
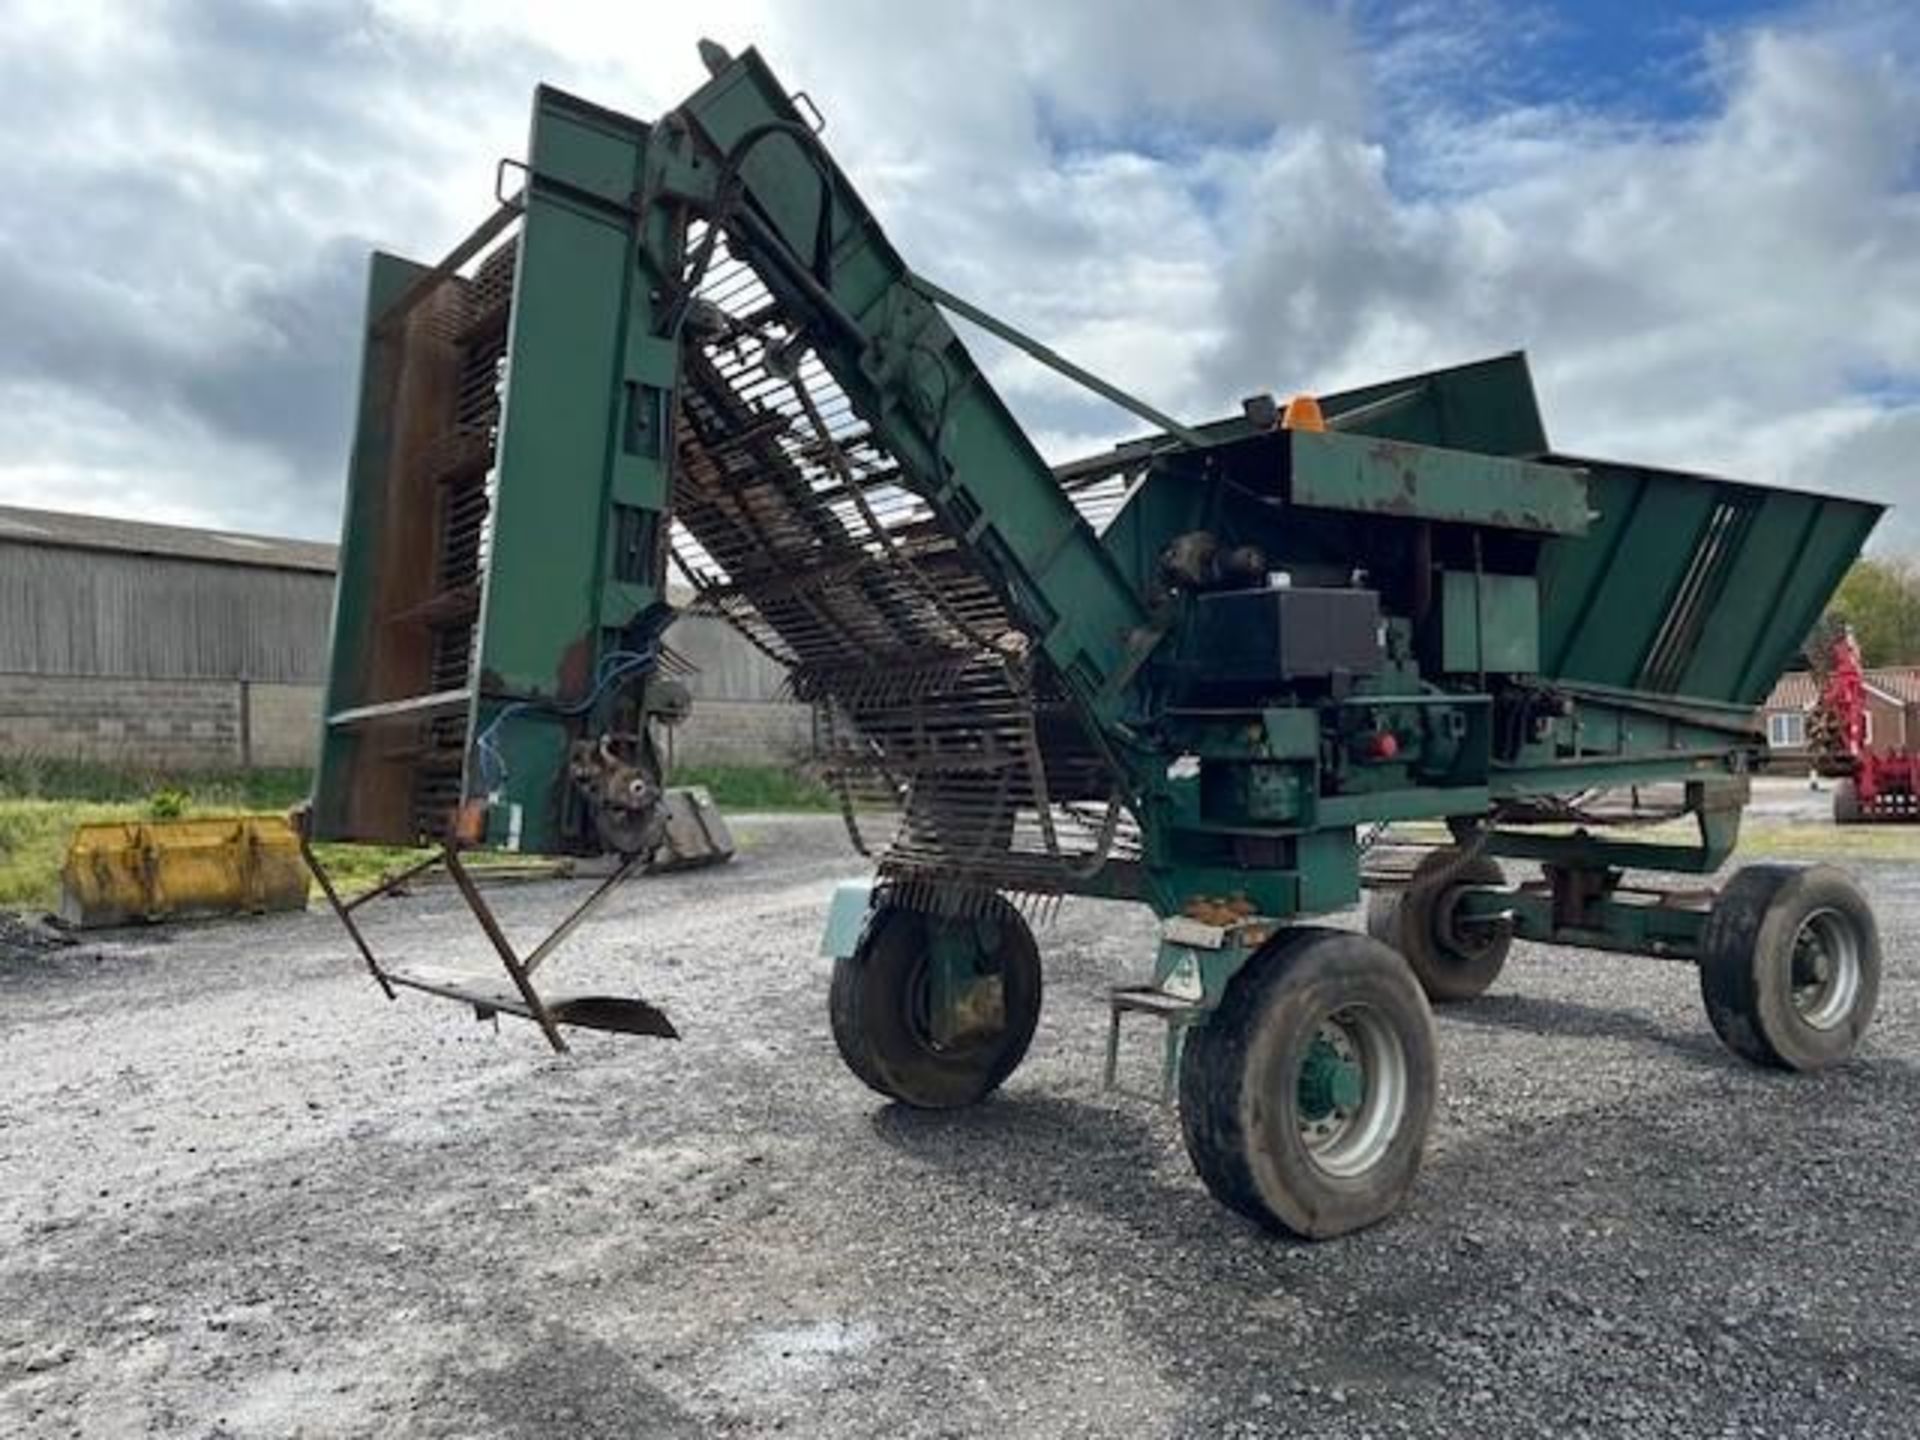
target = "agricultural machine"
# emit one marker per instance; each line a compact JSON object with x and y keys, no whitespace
{"x":1872,"y":784}
{"x":1198,"y":672}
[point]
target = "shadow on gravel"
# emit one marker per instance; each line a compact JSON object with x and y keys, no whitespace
{"x":1042,"y":1151}
{"x":1534,"y":1015}
{"x":29,"y":969}
{"x":568,"y":1384}
{"x":1223,"y":1305}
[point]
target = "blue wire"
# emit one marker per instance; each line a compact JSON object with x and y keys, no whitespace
{"x":614,"y":665}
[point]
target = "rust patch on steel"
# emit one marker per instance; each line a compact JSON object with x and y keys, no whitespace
{"x":573,"y":678}
{"x":1220,"y":910}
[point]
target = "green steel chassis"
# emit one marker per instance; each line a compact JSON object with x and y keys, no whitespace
{"x":1550,"y":626}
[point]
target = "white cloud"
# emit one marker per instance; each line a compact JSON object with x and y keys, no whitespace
{"x":1197,"y":201}
{"x":66,"y":451}
{"x":1706,"y":296}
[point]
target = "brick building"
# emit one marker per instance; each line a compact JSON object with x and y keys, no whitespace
{"x":124,"y":642}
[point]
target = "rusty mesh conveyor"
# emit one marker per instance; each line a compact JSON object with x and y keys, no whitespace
{"x":792,"y":525}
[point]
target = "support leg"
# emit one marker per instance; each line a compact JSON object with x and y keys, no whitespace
{"x":481,"y":912}
{"x":346,"y":916}
{"x":586,"y":907}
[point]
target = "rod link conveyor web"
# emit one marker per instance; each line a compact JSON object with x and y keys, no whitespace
{"x":791,"y":522}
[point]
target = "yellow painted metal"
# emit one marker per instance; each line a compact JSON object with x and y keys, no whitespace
{"x":117,"y":874}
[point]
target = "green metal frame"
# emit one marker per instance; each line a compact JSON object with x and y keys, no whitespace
{"x":914,"y":383}
{"x":585,"y":445}
{"x":576,"y":571}
{"x":1539,"y":559}
{"x":1549,"y":624}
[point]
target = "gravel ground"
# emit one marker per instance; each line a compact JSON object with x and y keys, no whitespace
{"x":240,"y":1194}
{"x":23,"y":937}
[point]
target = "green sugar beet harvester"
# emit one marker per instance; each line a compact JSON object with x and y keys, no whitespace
{"x":1201,"y":672}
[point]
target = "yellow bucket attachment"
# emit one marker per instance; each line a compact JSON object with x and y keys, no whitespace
{"x":116,"y":874}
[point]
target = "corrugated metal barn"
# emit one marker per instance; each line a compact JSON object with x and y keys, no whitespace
{"x":124,"y":642}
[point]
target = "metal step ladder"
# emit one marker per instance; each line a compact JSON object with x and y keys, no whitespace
{"x":1177,"y":1012}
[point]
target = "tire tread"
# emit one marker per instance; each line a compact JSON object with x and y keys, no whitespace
{"x":1731,"y":960}
{"x":1213,"y":1074}
{"x":858,"y":1031}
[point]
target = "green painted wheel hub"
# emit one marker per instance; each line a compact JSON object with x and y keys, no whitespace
{"x":1328,"y":1082}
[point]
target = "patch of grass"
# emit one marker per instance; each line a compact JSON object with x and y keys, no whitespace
{"x":1829,"y":842}
{"x":35,"y":834}
{"x":757,"y":787}
{"x":33,"y":842}
{"x":354,"y":868}
{"x":252,"y":791}
{"x":738,"y":787}
{"x":42,"y":800}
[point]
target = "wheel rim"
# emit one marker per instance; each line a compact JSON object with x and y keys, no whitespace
{"x":1351,"y":1093}
{"x":1469,"y":939}
{"x":1826,"y":969}
{"x":920,"y":1019}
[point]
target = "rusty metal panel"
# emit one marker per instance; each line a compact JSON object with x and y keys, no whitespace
{"x":413,"y":536}
{"x":1373,"y":476}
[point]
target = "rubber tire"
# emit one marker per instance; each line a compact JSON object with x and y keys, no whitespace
{"x":1846,"y":802}
{"x":1746,"y":965}
{"x":1255,"y":1042}
{"x":1409,"y":919}
{"x":869,"y":1010}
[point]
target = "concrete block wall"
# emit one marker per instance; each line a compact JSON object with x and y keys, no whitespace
{"x":200,"y":724}
{"x":283,"y":725}
{"x":73,"y":692}
{"x":166,"y":724}
{"x":738,"y":716}
{"x":190,"y":724}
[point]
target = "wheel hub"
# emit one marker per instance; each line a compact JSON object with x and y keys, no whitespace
{"x":1329,"y":1081}
{"x":1350,"y":1095}
{"x":957,"y":997}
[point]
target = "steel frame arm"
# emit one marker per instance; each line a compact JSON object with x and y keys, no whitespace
{"x":787,"y":209}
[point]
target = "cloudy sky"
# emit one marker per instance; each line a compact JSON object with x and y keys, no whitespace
{"x":1702,"y":221}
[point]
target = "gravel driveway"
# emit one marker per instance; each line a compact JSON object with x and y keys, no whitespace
{"x":241,"y":1194}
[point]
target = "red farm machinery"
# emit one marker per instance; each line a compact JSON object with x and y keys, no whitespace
{"x":1874,"y":783}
